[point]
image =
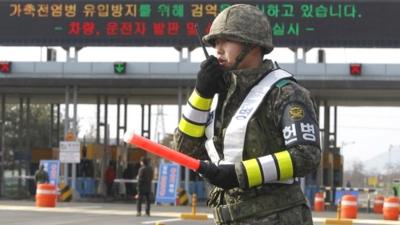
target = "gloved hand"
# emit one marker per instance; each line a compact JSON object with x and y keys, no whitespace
{"x":210,"y":78}
{"x":223,"y":176}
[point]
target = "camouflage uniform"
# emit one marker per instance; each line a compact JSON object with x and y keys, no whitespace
{"x":41,"y":176}
{"x":270,"y":203}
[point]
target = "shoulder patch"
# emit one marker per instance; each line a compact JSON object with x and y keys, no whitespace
{"x":282,"y":83}
{"x":296,"y":112}
{"x":299,"y":126}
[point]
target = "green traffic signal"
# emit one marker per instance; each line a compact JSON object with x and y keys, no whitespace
{"x":120,"y":67}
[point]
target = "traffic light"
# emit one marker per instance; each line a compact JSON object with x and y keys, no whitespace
{"x":120,"y":67}
{"x":5,"y":67}
{"x":355,"y":69}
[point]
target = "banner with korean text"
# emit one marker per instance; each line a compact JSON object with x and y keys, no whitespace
{"x":168,"y":183}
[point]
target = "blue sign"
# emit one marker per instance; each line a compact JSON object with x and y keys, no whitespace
{"x":168,"y":183}
{"x":339,"y":194}
{"x":52,"y":167}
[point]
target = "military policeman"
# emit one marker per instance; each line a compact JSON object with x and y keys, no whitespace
{"x":252,"y":125}
{"x":41,"y":176}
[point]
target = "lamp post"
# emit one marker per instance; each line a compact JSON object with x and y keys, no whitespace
{"x":389,"y":172}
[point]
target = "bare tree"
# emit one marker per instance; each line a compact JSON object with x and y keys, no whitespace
{"x":356,"y":175}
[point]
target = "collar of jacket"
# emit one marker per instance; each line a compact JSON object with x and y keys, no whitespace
{"x":247,"y":78}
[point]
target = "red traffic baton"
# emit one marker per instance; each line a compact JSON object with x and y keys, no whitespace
{"x":162,"y":151}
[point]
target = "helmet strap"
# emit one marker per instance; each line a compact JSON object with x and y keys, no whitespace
{"x":245,"y":50}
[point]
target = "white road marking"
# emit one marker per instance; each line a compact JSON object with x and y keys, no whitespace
{"x":88,"y":211}
{"x":174,"y":215}
{"x":361,"y":221}
{"x":158,"y":221}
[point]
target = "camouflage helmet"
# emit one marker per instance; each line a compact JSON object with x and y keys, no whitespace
{"x":242,"y":23}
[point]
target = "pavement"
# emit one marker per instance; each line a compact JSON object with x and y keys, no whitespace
{"x":24,"y":212}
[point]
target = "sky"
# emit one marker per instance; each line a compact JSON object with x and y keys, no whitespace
{"x":363,"y":132}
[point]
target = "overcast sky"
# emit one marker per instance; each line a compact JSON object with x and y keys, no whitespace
{"x":362,"y":131}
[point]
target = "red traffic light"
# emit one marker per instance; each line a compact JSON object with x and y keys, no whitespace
{"x":355,"y":69}
{"x":5,"y":67}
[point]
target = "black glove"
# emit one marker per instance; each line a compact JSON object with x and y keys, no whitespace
{"x":210,"y":78}
{"x":223,"y":176}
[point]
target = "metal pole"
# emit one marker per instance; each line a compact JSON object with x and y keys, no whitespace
{"x":74,"y":128}
{"x":118,"y":119}
{"x":75,"y":102}
{"x":180,"y":102}
{"x":125,"y":114}
{"x":66,"y":128}
{"x":20,"y":134}
{"x":2,"y":154}
{"x":326,"y":126}
{"x":51,"y":125}
{"x":149,"y":121}
{"x":28,"y":134}
{"x":106,"y":121}
{"x":58,"y":124}
{"x":98,"y":120}
{"x":142,"y":119}
{"x":329,"y":168}
{"x":335,"y":124}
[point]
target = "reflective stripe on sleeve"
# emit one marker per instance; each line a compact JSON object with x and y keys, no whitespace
{"x":195,"y":115}
{"x":199,"y":102}
{"x":269,"y":169}
{"x":254,"y":175}
{"x":191,"y":129}
{"x":285,"y":165}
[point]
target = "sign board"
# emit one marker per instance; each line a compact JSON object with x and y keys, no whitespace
{"x":339,"y":194}
{"x":300,"y":23}
{"x":168,"y":183}
{"x":373,"y":181}
{"x":70,"y":151}
{"x":52,"y":167}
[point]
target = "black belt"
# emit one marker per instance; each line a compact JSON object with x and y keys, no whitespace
{"x":260,"y":190}
{"x":222,"y":215}
{"x":225,"y":214}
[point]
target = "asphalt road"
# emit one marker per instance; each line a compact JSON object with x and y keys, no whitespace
{"x":112,"y":213}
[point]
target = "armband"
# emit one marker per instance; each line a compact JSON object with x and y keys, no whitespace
{"x":299,"y":127}
{"x":195,"y":115}
{"x":269,"y":168}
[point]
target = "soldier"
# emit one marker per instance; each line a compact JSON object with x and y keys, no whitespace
{"x":41,"y":176}
{"x":144,"y":178}
{"x":258,"y":134}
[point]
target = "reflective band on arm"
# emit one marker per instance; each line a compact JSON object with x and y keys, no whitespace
{"x":191,"y":129}
{"x":253,"y":171}
{"x":285,"y":165}
{"x":195,"y":115}
{"x":199,"y":102}
{"x":269,"y":168}
{"x":275,"y":168}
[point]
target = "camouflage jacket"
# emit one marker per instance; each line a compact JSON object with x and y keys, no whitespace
{"x":41,"y":177}
{"x":264,"y":135}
